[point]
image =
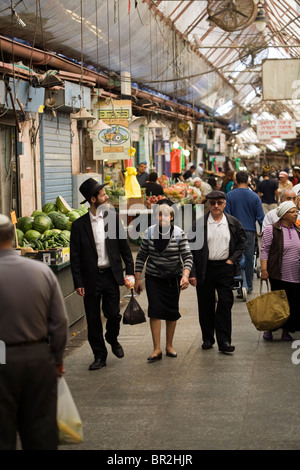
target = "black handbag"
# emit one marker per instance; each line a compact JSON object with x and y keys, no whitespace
{"x":133,"y":314}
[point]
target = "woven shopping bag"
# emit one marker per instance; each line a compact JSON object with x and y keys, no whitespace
{"x":270,"y":310}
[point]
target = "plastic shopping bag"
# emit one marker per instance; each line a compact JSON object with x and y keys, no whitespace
{"x":68,"y":419}
{"x":131,"y":186}
{"x":134,"y":314}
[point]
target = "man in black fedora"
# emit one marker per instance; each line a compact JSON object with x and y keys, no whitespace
{"x":97,"y":247}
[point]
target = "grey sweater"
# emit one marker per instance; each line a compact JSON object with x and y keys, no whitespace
{"x":32,"y":306}
{"x":178,"y":249}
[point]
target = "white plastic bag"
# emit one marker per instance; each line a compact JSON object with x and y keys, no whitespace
{"x":68,"y":419}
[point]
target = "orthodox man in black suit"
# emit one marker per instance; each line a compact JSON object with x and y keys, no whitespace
{"x":97,"y":247}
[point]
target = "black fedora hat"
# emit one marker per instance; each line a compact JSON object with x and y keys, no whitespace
{"x":89,"y":188}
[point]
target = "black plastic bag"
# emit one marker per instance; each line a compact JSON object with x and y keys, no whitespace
{"x":133,"y":314}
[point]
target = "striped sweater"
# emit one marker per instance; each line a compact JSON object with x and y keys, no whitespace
{"x":178,"y":249}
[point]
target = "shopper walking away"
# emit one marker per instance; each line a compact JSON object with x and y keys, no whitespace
{"x":280,"y":260}
{"x":215,"y":265}
{"x":245,"y":205}
{"x":267,"y":190}
{"x":168,"y":258}
{"x":33,"y":327}
{"x":152,"y":187}
{"x":97,"y":246}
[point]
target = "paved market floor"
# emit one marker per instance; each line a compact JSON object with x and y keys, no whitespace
{"x":201,"y":400}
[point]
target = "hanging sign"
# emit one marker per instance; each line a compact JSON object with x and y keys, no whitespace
{"x":113,"y":143}
{"x":281,"y":129}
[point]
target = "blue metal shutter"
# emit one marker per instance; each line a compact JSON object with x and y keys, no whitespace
{"x":56,"y":158}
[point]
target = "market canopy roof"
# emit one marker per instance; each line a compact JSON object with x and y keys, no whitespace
{"x":205,"y":53}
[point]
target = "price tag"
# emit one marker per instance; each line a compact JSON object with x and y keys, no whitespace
{"x":13,"y":217}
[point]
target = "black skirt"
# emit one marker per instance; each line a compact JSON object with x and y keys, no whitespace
{"x":163,"y":297}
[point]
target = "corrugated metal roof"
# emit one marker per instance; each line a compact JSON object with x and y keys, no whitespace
{"x":169,"y":46}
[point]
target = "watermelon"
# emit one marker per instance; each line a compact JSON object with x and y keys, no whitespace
{"x":61,"y":222}
{"x":31,"y":235}
{"x":49,"y":207}
{"x":69,"y":225}
{"x":20,"y":235}
{"x":49,"y":232}
{"x":66,"y":233}
{"x":42,"y":223}
{"x":37,"y":212}
{"x":73,"y":215}
{"x":19,"y":221}
{"x":53,"y":215}
{"x":62,"y":205}
{"x":26,"y":224}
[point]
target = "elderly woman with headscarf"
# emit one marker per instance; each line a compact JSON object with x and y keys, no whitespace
{"x":280,"y":263}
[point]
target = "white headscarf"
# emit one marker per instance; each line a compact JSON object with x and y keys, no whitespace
{"x":284,"y":207}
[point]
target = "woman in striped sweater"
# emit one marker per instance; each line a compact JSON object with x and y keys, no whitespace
{"x":280,"y":262}
{"x":168,"y":258}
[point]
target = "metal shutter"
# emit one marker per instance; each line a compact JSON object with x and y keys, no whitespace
{"x":56,"y":158}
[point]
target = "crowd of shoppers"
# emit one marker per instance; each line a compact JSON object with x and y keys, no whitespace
{"x":34,"y":324}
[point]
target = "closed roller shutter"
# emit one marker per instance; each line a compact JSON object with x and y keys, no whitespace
{"x":56,"y":158}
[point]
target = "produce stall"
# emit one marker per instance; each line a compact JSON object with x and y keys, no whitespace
{"x":45,"y":236}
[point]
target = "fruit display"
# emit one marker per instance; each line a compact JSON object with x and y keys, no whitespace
{"x":152,"y":200}
{"x":179,"y":192}
{"x":48,"y":228}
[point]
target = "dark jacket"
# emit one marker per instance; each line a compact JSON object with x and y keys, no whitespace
{"x":83,"y":252}
{"x":276,"y":251}
{"x":237,"y":244}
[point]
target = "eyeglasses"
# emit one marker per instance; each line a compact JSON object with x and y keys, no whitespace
{"x":213,"y":203}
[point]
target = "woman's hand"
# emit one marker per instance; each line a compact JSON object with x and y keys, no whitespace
{"x":264,"y":275}
{"x":184,"y":282}
{"x":193,"y":281}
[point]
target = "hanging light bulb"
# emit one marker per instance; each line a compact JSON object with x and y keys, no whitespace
{"x":261,"y":19}
{"x":176,"y":145}
{"x":186,"y":153}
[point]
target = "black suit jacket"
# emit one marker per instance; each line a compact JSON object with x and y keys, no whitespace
{"x":83,"y":252}
{"x":237,"y":244}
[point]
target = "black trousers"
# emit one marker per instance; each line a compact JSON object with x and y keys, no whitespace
{"x":216,"y":317}
{"x":28,"y":398}
{"x":107,"y":291}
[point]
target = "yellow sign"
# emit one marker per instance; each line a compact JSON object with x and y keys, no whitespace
{"x":114,"y":149}
{"x":13,"y":217}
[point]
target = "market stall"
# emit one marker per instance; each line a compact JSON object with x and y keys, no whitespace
{"x":45,"y":237}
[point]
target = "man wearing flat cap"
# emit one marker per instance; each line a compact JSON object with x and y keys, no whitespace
{"x":97,"y":247}
{"x":215,"y":265}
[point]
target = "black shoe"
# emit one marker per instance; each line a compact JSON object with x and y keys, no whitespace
{"x":170,"y":354}
{"x":226,"y":348}
{"x":97,"y":364}
{"x":207,"y":344}
{"x":155,"y":358}
{"x":117,"y":349}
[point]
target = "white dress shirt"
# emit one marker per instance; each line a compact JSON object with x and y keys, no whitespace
{"x":97,"y":222}
{"x":218,"y":238}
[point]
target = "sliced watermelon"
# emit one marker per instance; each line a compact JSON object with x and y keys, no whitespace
{"x":62,"y":205}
